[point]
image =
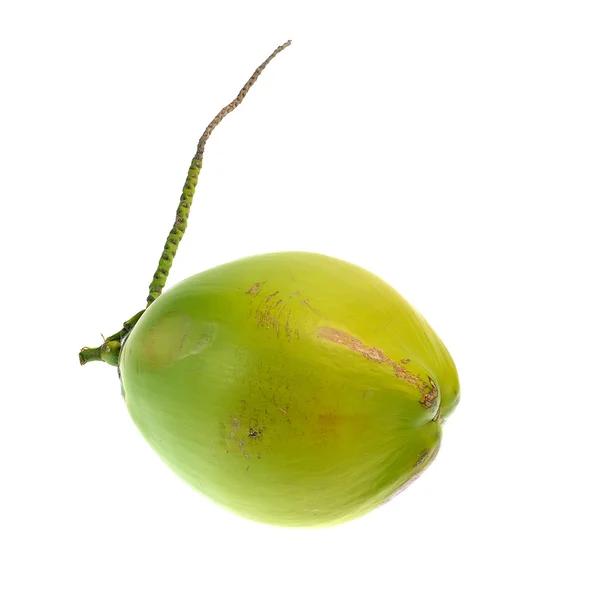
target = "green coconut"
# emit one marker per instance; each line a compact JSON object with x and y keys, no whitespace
{"x":290,"y":388}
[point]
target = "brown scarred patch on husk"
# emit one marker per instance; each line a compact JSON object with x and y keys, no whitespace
{"x":429,"y":398}
{"x":428,"y":389}
{"x":254,"y":289}
{"x":267,"y":319}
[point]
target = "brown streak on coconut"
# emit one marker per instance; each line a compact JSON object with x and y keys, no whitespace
{"x":428,"y":389}
{"x":253,"y":291}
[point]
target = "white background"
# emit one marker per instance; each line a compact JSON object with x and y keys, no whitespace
{"x":450,"y":147}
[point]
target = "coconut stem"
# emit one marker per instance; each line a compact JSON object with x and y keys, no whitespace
{"x":89,"y":355}
{"x":183,"y":210}
{"x":109,"y":351}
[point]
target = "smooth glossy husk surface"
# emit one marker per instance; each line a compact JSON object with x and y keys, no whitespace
{"x":291,"y":388}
